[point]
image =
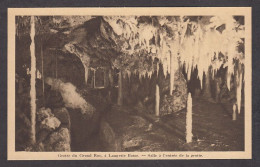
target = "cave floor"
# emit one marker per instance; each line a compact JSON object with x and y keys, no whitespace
{"x":213,"y":129}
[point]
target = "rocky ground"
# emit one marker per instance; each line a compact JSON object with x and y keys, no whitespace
{"x":125,"y":129}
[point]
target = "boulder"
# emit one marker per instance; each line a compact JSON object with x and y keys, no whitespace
{"x":43,"y":113}
{"x":58,"y":141}
{"x":51,"y":123}
{"x":63,"y":115}
{"x":47,"y":120}
{"x":51,"y":136}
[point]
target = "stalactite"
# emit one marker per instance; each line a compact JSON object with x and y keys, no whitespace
{"x":33,"y":82}
{"x":228,"y":80}
{"x":229,"y":77}
{"x":86,"y":75}
{"x":86,"y":69}
{"x":196,"y":44}
{"x":150,"y":73}
{"x":189,"y":72}
{"x":189,"y":120}
{"x":157,"y":100}
{"x":128,"y":74}
{"x":200,"y":75}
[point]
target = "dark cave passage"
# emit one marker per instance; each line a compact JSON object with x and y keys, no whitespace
{"x":85,"y":131}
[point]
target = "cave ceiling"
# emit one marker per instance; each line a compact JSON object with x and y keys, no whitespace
{"x":124,"y":42}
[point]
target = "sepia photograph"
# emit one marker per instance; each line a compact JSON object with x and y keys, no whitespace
{"x":129,"y":83}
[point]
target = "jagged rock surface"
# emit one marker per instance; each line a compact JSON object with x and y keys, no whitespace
{"x":51,"y":135}
{"x":177,"y":101}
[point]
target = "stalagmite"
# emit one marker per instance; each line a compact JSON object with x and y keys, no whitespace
{"x":33,"y":82}
{"x":239,"y":88}
{"x":234,"y":115}
{"x":120,"y":89}
{"x":157,"y":101}
{"x":189,"y":120}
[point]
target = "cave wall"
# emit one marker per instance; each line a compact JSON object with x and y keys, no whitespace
{"x":140,"y":92}
{"x":69,"y":67}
